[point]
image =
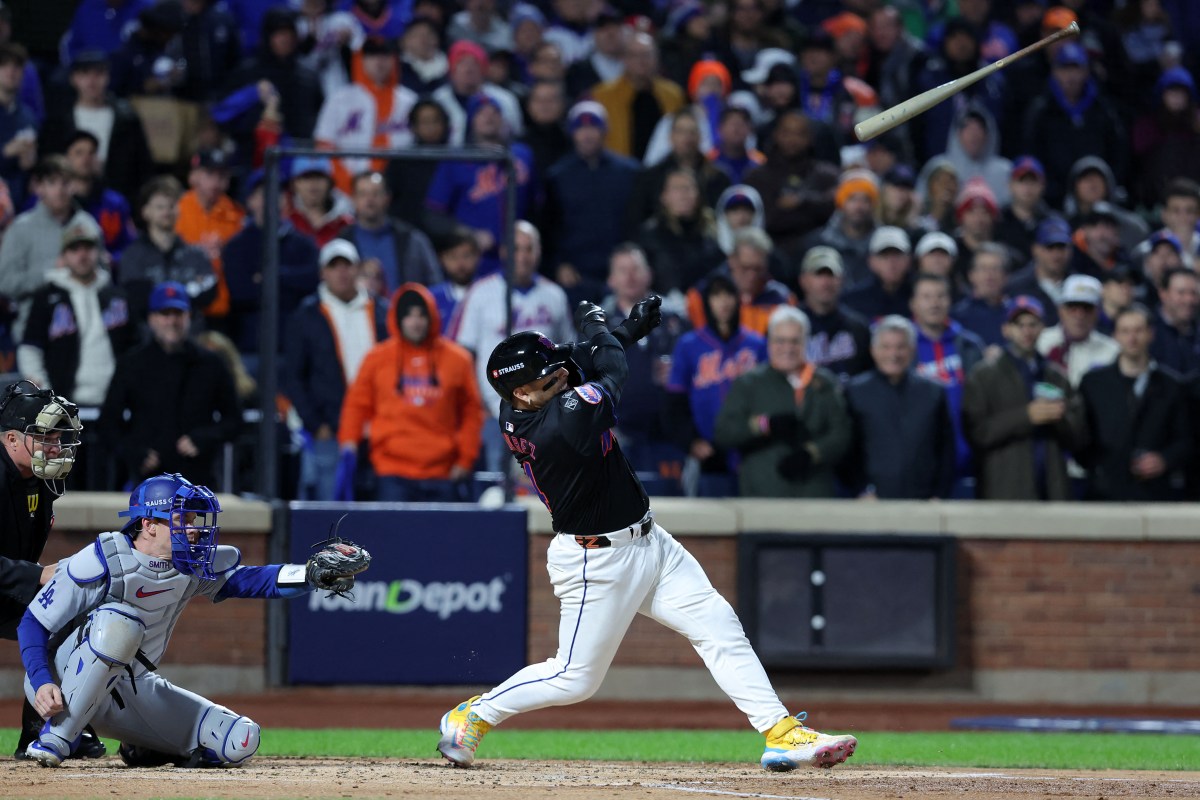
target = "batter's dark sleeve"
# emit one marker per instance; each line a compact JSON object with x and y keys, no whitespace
{"x":610,"y":369}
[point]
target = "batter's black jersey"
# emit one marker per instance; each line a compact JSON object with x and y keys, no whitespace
{"x":569,"y":453}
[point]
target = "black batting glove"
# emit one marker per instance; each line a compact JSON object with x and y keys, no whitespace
{"x":645,"y":316}
{"x":590,"y":319}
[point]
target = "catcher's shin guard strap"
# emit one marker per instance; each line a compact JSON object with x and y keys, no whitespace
{"x":227,"y":737}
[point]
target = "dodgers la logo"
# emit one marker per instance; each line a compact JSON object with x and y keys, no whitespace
{"x":590,"y":393}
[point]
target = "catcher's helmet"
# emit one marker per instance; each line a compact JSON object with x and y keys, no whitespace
{"x":525,"y":357}
{"x":52,"y":422}
{"x":171,"y":497}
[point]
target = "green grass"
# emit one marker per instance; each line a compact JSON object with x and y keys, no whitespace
{"x":977,"y":750}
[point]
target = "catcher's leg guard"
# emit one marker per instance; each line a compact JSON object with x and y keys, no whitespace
{"x":111,"y":638}
{"x":224,"y":738}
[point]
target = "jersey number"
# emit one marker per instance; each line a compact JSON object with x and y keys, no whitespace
{"x":47,"y":596}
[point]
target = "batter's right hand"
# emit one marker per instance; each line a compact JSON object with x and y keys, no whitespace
{"x":645,"y":316}
{"x":48,"y":701}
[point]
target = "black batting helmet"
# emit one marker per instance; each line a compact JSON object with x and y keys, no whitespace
{"x":525,"y":357}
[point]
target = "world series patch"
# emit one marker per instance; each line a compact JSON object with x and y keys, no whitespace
{"x":590,"y":393}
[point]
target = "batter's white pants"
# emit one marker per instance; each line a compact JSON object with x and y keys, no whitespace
{"x":600,"y":590}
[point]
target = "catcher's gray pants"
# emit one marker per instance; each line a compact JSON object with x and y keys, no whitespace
{"x":600,"y":592}
{"x":148,"y":711}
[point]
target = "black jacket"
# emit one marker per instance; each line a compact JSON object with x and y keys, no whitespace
{"x":1121,"y":425}
{"x":313,"y":378}
{"x":26,"y":516}
{"x":143,"y":266}
{"x":167,"y":396}
{"x":905,"y":440}
{"x":52,"y":328}
{"x":129,"y":163}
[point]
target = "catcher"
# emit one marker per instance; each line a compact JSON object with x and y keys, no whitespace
{"x":129,"y":588}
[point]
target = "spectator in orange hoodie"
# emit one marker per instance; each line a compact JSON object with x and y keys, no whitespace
{"x":208,"y":218}
{"x":418,"y":393}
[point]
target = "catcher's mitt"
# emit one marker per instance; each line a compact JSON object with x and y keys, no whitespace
{"x":333,"y":567}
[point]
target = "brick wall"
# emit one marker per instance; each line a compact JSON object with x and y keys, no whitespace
{"x":1079,"y":605}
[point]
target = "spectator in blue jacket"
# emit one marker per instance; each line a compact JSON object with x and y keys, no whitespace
{"x":905,"y":440}
{"x":984,"y":312}
{"x":1176,"y":341}
{"x":474,"y":194}
{"x":889,"y":288}
{"x":458,"y":253}
{"x":703,"y":367}
{"x":404,"y":253}
{"x":100,"y":25}
{"x":242,"y":259}
{"x":327,"y":339}
{"x":586,"y":197}
{"x":946,"y":353}
{"x":18,"y":127}
{"x":108,"y":206}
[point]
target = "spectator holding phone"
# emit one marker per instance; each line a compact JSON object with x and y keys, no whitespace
{"x":1021,"y":415}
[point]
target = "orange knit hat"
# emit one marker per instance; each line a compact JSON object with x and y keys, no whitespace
{"x":705,"y":69}
{"x":854,"y":181}
{"x":846,"y":22}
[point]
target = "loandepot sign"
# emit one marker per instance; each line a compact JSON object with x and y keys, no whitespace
{"x":406,"y":596}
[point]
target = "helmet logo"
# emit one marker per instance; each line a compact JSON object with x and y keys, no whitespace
{"x":496,"y":373}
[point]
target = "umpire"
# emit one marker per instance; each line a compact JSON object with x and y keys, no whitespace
{"x":40,"y":435}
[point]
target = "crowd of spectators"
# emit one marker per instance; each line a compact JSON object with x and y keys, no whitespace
{"x":997,"y":300}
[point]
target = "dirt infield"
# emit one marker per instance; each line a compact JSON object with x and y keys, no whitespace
{"x":526,"y":780}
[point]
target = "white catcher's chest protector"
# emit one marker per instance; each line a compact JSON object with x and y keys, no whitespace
{"x":152,"y":587}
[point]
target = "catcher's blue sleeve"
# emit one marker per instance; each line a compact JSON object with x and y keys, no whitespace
{"x":273,"y":580}
{"x":35,"y":650}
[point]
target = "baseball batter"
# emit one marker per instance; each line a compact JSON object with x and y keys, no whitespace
{"x":129,"y":588}
{"x":610,"y":560}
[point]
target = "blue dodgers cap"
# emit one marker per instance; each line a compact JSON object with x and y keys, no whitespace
{"x":170,"y":295}
{"x":1071,"y":54}
{"x":1053,"y":230}
{"x":1023,"y":304}
{"x":1164,"y":236}
{"x":1028,"y":165}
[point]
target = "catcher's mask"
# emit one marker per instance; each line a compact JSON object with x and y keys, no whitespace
{"x":189,"y":510}
{"x":51,"y":428}
{"x":525,"y":357}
